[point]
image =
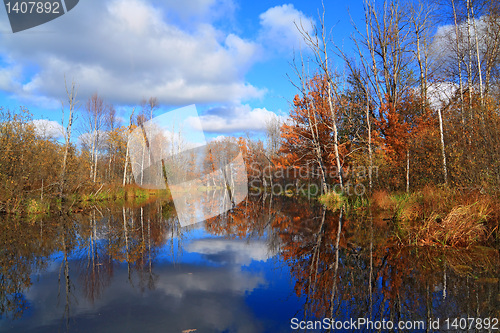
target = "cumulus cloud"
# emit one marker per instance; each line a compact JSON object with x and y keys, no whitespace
{"x":185,"y":296}
{"x":48,"y":129}
{"x":444,"y":44}
{"x":279,"y":30}
{"x":9,"y":77}
{"x":218,"y":138}
{"x":440,"y":93}
{"x":237,"y":118}
{"x":224,"y":280}
{"x":125,"y":49}
{"x":231,"y":250}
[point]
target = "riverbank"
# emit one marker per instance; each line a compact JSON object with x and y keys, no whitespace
{"x":432,"y":216}
{"x":91,"y":195}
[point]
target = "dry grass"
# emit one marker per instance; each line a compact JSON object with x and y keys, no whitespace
{"x":409,"y":211}
{"x":463,"y":226}
{"x":424,"y":204}
{"x":382,"y":200}
{"x":441,"y":216}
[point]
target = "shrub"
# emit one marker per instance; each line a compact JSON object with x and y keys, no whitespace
{"x":332,"y":200}
{"x":36,"y":207}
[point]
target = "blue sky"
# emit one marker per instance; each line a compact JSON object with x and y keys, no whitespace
{"x":229,"y":57}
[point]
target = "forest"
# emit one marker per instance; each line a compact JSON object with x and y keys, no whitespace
{"x":407,"y":121}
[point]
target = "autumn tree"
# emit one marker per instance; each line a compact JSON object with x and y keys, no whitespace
{"x":307,"y":137}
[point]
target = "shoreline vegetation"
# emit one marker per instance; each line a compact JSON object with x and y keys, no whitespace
{"x":78,"y":202}
{"x":416,"y":133}
{"x":432,"y":216}
{"x":435,"y":215}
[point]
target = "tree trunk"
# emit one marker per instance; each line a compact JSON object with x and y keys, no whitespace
{"x":335,"y":132}
{"x":125,"y":168}
{"x":443,"y":152}
{"x":407,"y":170}
{"x":370,"y":153}
{"x":95,"y":163}
{"x":469,"y":62}
{"x":478,"y":57}
{"x":71,"y":100}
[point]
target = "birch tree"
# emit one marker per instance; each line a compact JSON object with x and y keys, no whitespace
{"x":94,"y":120}
{"x":71,"y":95}
{"x":318,"y":42}
{"x":127,"y":151}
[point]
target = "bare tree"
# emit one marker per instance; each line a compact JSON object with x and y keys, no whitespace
{"x":459,"y":60}
{"x":149,"y":106}
{"x":318,"y":42}
{"x":443,"y":147}
{"x":111,"y":124}
{"x":419,"y":17}
{"x":491,"y":56}
{"x":127,"y":158}
{"x":71,"y":95}
{"x":384,"y":50}
{"x":94,"y":121}
{"x":304,"y":87}
{"x":273,"y":136}
{"x":387,"y":41}
{"x":362,"y":80}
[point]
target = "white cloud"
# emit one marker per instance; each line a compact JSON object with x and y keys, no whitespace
{"x":9,"y":77}
{"x":279,"y":30}
{"x":179,"y":284}
{"x":440,"y":93}
{"x":125,"y":50}
{"x":238,"y":118}
{"x":48,"y":129}
{"x":444,"y":44}
{"x":85,"y":139}
{"x":219,"y":138}
{"x":239,"y":252}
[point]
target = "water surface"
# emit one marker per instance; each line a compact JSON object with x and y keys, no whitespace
{"x":135,"y":269}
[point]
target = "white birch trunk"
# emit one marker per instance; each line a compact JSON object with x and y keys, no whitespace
{"x":443,"y":151}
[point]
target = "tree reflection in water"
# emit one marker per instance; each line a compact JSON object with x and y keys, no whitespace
{"x":344,"y":264}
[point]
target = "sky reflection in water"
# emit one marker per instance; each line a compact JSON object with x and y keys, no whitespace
{"x":252,"y":270}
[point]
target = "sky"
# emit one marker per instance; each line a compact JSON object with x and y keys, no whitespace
{"x":230,"y":58}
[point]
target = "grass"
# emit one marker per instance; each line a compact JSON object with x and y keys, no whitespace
{"x":462,"y":226}
{"x":419,"y":204}
{"x":332,"y":200}
{"x":92,"y":195}
{"x":121,"y":194}
{"x":439,"y":216}
{"x":382,"y":200}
